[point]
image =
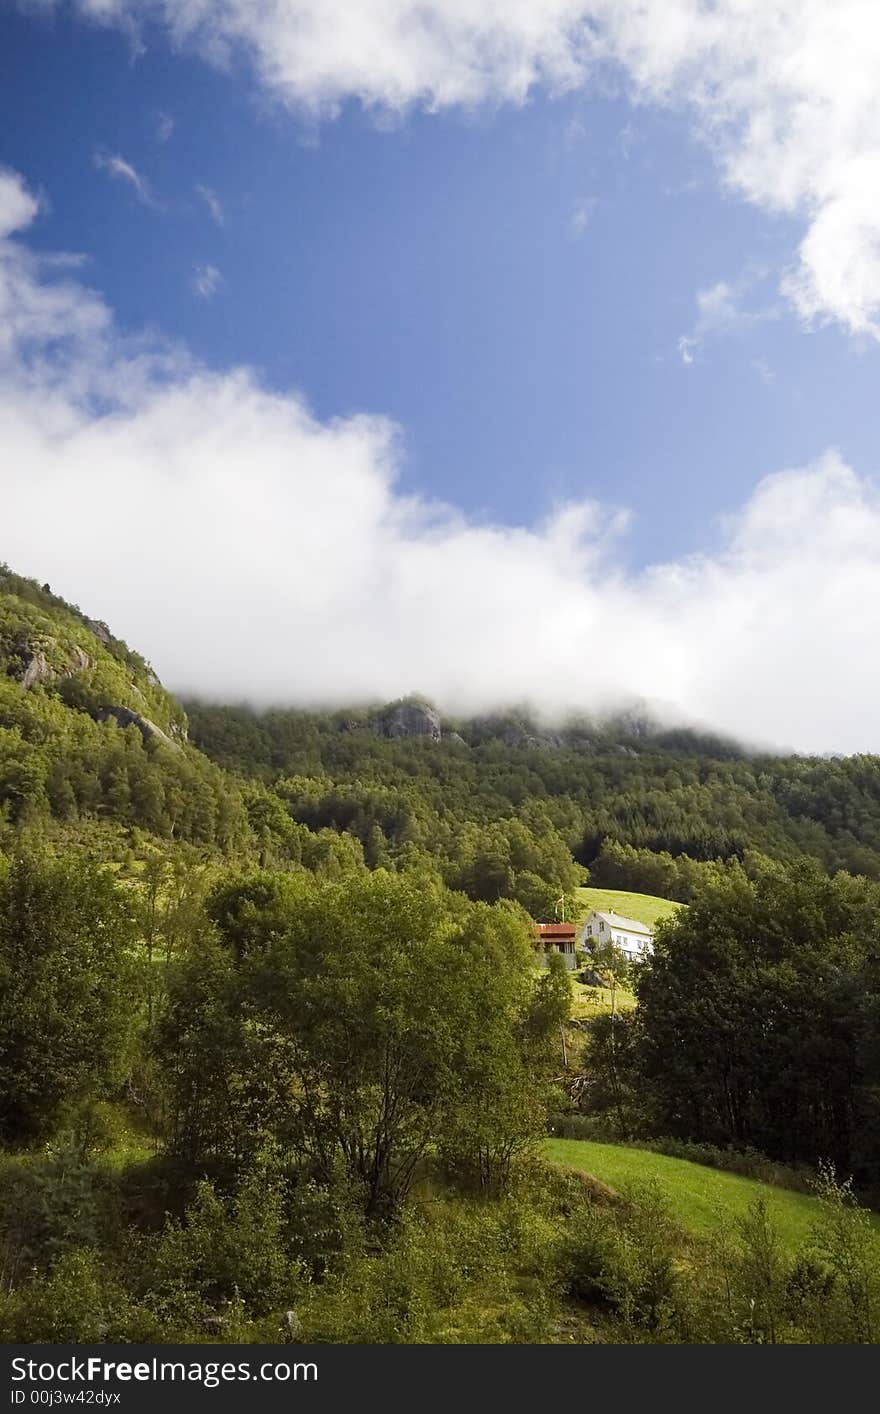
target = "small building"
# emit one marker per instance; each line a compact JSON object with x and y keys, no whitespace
{"x":635,"y":939}
{"x":557,"y":937}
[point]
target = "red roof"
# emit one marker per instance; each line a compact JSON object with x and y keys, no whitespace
{"x":555,"y":930}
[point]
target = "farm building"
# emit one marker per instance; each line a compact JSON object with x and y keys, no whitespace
{"x":605,"y":926}
{"x":557,"y":937}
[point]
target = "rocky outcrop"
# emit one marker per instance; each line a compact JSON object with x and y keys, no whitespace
{"x":518,"y":736}
{"x":37,"y":670}
{"x":125,"y":717}
{"x":412,"y":719}
{"x":100,"y":630}
{"x":31,"y":666}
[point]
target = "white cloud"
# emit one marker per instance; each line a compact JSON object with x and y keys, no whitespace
{"x":120,"y":170}
{"x":723,"y":309}
{"x":252,"y":550}
{"x":783,"y":91}
{"x":18,"y":206}
{"x":206,"y":281}
{"x":212,"y":201}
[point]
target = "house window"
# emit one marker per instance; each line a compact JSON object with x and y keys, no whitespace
{"x":601,"y":927}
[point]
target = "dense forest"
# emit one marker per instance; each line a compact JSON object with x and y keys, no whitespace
{"x":276,"y":1057}
{"x":631,"y":782}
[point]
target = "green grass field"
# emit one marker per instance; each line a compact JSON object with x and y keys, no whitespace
{"x":644,"y":908}
{"x":701,"y":1198}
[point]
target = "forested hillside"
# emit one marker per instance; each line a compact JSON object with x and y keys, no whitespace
{"x":628,"y":782}
{"x":88,"y":733}
{"x":273,"y":1038}
{"x":500,"y":807}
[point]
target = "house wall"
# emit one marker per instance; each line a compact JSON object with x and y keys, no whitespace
{"x":633,"y":944}
{"x":566,"y":949}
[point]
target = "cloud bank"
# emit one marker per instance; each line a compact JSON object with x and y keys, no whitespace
{"x":783,"y":91}
{"x":251,"y":550}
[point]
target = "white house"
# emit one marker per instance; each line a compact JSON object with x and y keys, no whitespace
{"x":605,"y":926}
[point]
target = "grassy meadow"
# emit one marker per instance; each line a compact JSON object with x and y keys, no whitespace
{"x":644,"y":908}
{"x":701,"y":1198}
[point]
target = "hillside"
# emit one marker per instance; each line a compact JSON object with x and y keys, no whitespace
{"x":644,"y":908}
{"x":643,"y":808}
{"x":497,"y":806}
{"x":702,"y":1199}
{"x":88,"y":733}
{"x":291,"y":892}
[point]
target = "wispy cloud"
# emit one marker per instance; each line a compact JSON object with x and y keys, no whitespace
{"x":783,"y":92}
{"x":725,"y":309}
{"x":763,"y":370}
{"x":120,"y":170}
{"x":212,"y":201}
{"x":206,"y":281}
{"x":163,"y":127}
{"x":627,"y":138}
{"x":582,"y":214}
{"x":687,"y":348}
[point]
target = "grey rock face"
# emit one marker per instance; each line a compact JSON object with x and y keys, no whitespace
{"x":126,"y":718}
{"x":412,"y":719}
{"x":38,"y":670}
{"x":100,"y":630}
{"x":518,"y":736}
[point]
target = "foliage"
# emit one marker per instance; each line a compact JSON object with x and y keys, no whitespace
{"x":65,"y":1016}
{"x":685,"y":798}
{"x":360,"y":1021}
{"x":273,"y":1038}
{"x":755,"y":1016}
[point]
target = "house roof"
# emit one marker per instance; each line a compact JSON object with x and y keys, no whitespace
{"x":555,"y":930}
{"x":628,"y":925}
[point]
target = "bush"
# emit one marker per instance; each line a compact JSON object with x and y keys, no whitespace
{"x":76,"y":1302}
{"x":624,"y":1258}
{"x":50,"y":1204}
{"x":226,"y":1250}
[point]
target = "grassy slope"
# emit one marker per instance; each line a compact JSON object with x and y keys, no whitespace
{"x":590,"y":1001}
{"x":701,"y":1198}
{"x":645,"y":908}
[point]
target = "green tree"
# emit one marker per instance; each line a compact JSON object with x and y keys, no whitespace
{"x":754,"y":1015}
{"x":65,"y":989}
{"x":354,"y":1022}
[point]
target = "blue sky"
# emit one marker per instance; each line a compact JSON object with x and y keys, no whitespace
{"x":559,"y":298}
{"x":431,"y":268}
